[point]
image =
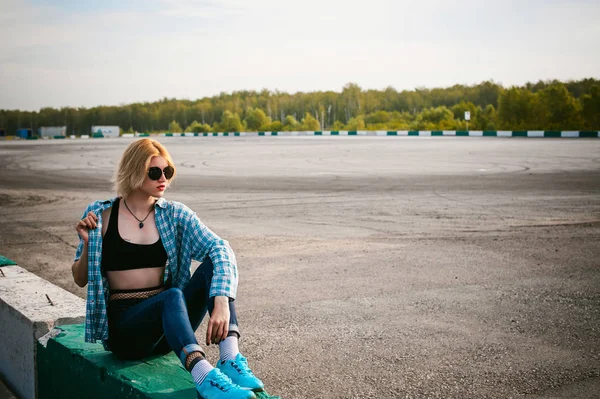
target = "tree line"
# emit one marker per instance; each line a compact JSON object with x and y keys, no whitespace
{"x":545,"y":105}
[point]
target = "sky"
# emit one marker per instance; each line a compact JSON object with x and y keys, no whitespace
{"x":112,"y":52}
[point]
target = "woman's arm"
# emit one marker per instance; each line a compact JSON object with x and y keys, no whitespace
{"x":223,"y":287}
{"x":204,"y":243}
{"x":80,"y":266}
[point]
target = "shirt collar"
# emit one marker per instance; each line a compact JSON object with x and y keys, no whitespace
{"x":162,"y":202}
{"x":110,"y":201}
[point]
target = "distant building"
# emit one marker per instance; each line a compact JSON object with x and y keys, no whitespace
{"x":106,"y":131}
{"x":24,"y":133}
{"x":52,"y":131}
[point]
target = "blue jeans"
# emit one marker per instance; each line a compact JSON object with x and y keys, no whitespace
{"x":164,"y":322}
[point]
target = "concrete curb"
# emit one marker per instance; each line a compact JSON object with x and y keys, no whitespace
{"x":30,"y":307}
{"x":43,"y":354}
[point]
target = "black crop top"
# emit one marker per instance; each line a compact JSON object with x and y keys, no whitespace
{"x":118,"y":254}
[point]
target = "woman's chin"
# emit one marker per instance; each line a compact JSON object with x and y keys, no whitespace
{"x":154,"y":193}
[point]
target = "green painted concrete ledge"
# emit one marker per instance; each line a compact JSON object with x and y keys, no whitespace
{"x":6,"y":262}
{"x":70,"y":368}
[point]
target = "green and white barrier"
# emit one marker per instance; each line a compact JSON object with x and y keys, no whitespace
{"x":418,"y":133}
{"x":406,"y":133}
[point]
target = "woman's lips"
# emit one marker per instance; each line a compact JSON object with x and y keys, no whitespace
{"x":161,"y":188}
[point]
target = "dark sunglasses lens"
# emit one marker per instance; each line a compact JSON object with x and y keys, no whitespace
{"x":169,"y":172}
{"x":154,"y":173}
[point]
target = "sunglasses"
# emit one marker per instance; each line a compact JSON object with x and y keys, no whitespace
{"x":154,"y":173}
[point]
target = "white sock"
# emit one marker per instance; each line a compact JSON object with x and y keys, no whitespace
{"x":200,"y":371}
{"x":228,"y":348}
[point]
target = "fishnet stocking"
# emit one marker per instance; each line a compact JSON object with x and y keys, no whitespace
{"x":135,"y":295}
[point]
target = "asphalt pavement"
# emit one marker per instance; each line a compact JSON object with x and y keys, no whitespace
{"x":370,"y":267}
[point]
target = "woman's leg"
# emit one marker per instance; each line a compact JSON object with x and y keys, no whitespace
{"x":142,"y":326}
{"x":197,"y":300}
{"x":135,"y":332}
{"x":198,"y":303}
{"x":231,"y":363}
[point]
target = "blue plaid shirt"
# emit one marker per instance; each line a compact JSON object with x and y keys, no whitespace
{"x":184,"y":238}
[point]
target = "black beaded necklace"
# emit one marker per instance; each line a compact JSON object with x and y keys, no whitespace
{"x":136,"y":218}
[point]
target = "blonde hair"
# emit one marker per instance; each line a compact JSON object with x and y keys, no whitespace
{"x":133,"y":167}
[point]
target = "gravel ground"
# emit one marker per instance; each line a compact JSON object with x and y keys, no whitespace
{"x":371,"y":267}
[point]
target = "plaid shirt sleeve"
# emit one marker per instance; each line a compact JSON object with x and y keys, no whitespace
{"x":204,"y":242}
{"x":96,"y":321}
{"x":80,"y":246}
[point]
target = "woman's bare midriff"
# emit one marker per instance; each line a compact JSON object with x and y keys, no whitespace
{"x":136,"y":278}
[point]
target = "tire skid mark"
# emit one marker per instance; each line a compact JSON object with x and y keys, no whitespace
{"x":100,"y":163}
{"x":283,"y":198}
{"x":522,"y":167}
{"x":589,"y":223}
{"x":504,"y":170}
{"x":382,"y":231}
{"x":48,"y":233}
{"x":187,"y":164}
{"x":477,"y":206}
{"x":285,"y":204}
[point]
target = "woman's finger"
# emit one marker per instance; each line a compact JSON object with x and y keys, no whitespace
{"x":209,"y":333}
{"x":93,"y":217}
{"x":89,"y":222}
{"x":225,"y":331}
{"x":219,"y":333}
{"x":214,"y":332}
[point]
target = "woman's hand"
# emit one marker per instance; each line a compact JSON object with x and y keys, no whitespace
{"x":89,"y":222}
{"x":218,"y":326}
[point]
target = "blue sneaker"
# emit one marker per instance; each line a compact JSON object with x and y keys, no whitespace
{"x":216,"y":385}
{"x":239,"y":372}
